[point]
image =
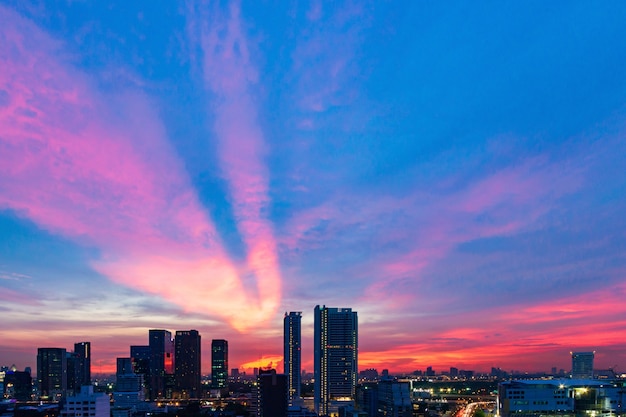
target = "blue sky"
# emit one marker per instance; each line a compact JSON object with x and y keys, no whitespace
{"x":454,"y":172}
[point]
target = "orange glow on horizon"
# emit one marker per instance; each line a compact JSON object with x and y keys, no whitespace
{"x":272,"y":362}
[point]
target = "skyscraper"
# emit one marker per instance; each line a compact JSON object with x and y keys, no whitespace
{"x":270,"y":397}
{"x":82,"y":352}
{"x":52,"y":372}
{"x":335,"y":357}
{"x":129,"y":387}
{"x":219,"y":364}
{"x":161,"y":362}
{"x":582,"y":365}
{"x":187,"y":363}
{"x":140,"y":358}
{"x":292,"y":353}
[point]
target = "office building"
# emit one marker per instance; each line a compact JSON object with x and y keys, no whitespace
{"x":563,"y":398}
{"x":52,"y":372}
{"x":78,"y":367}
{"x":394,"y":399}
{"x":129,"y":387}
{"x":219,"y":364}
{"x":87,"y":404}
{"x":161,"y":363}
{"x":293,"y":353}
{"x":335,"y":358}
{"x":82,"y":353}
{"x":187,"y":357}
{"x":367,"y":398}
{"x":14,"y":384}
{"x":582,"y":365}
{"x":140,"y":358}
{"x":270,"y":397}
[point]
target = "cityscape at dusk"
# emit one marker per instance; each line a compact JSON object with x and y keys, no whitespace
{"x":453,"y":172}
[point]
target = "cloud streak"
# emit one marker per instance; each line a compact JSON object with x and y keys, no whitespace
{"x":230,"y":75}
{"x":98,"y":169}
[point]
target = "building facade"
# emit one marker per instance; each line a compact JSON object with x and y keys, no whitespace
{"x":219,"y":364}
{"x":394,"y":399}
{"x":52,"y":372}
{"x":187,"y":363}
{"x":270,"y":397}
{"x":563,"y":398}
{"x":582,"y":365}
{"x":129,"y":387}
{"x":82,"y":352}
{"x":87,"y":404}
{"x":140,"y":358}
{"x":335,"y":358}
{"x":292,"y":335}
{"x":161,"y":363}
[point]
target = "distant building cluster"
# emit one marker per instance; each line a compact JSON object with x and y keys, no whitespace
{"x":164,"y":377}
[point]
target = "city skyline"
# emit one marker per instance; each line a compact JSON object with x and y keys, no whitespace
{"x":453,"y":172}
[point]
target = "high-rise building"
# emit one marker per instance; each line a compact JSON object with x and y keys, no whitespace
{"x":270,"y":397}
{"x":219,"y":364}
{"x":161,"y":362}
{"x":335,"y":358}
{"x":394,"y":399}
{"x":82,"y":352}
{"x":78,"y":367}
{"x":187,"y":363}
{"x":52,"y":372}
{"x":140,"y":358}
{"x":582,"y":365}
{"x":293,"y":353}
{"x":129,"y":387}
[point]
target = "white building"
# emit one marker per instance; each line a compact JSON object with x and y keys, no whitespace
{"x":565,"y":398}
{"x":87,"y":404}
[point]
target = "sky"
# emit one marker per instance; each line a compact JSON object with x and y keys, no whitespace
{"x":455,"y":172}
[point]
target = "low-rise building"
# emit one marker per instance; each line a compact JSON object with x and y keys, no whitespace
{"x":566,"y":398}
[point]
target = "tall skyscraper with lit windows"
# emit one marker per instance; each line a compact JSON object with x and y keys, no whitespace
{"x":293,"y":353}
{"x":52,"y":373}
{"x":161,"y":362}
{"x":335,"y":357}
{"x":219,"y":364}
{"x":82,"y":351}
{"x":187,"y":356}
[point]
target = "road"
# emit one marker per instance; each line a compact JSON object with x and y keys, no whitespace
{"x":470,"y":409}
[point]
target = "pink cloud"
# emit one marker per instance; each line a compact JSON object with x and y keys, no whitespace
{"x":426,"y":228}
{"x":230,"y":74}
{"x":518,"y":336}
{"x":99,"y":169}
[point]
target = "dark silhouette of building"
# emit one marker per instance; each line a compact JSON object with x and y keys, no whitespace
{"x":52,"y":372}
{"x":187,"y":370}
{"x":270,"y":398}
{"x":129,"y":387}
{"x":17,"y":384}
{"x":367,"y":398}
{"x":82,"y":352}
{"x":293,"y":353}
{"x":161,"y":363}
{"x":219,"y":364}
{"x":71,"y":363}
{"x":335,"y":357}
{"x":369,"y":374}
{"x":140,"y":358}
{"x":394,"y":399}
{"x":582,"y":365}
